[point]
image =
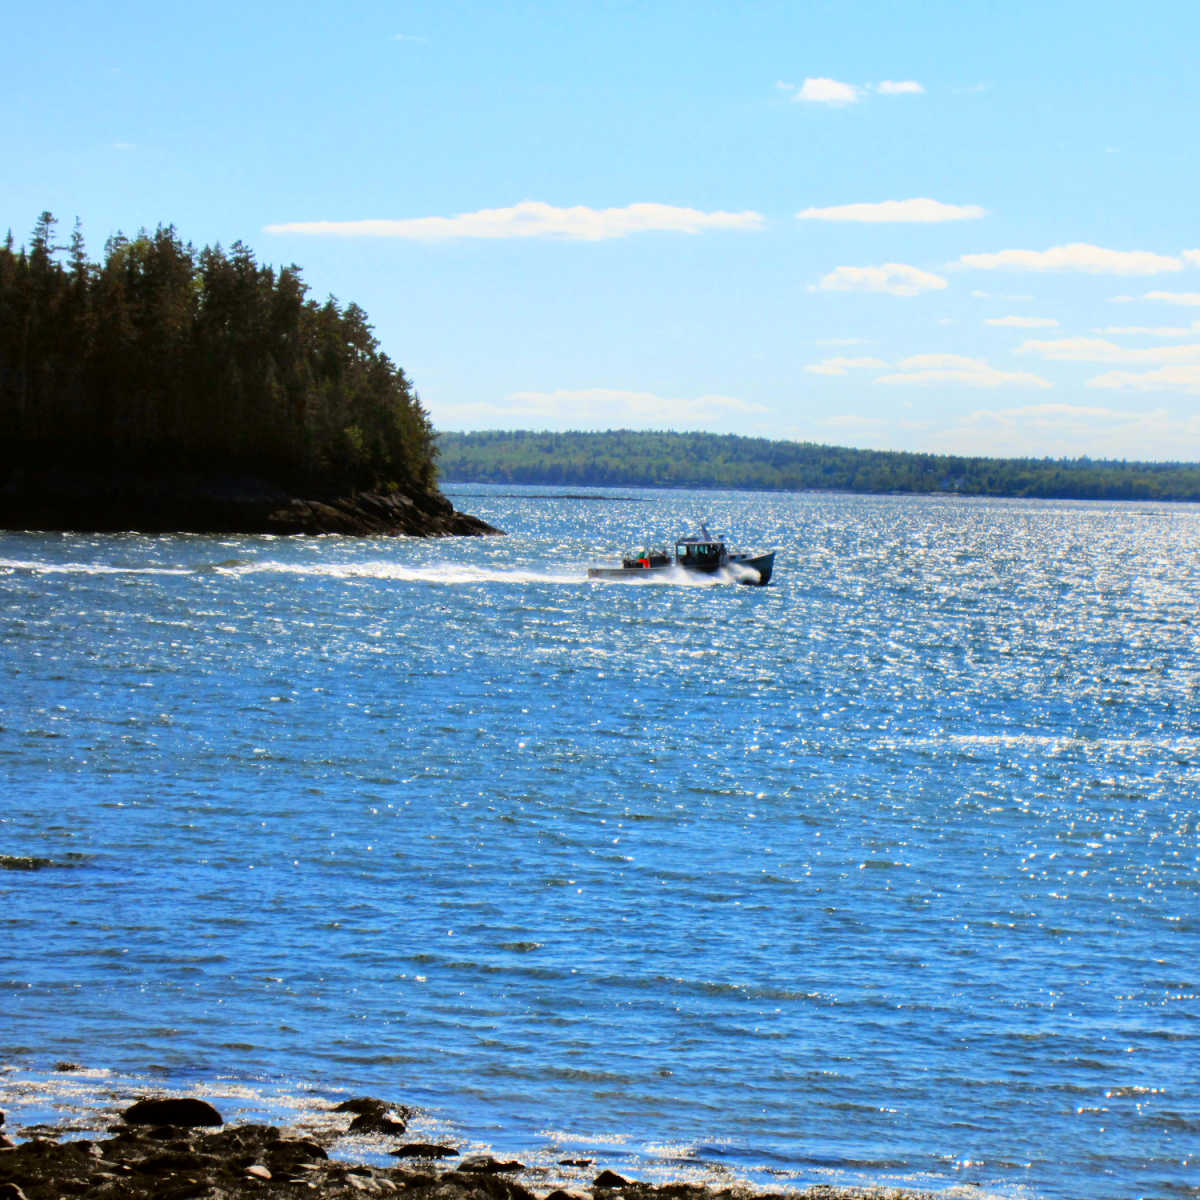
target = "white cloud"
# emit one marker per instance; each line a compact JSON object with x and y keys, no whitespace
{"x":842,"y":366}
{"x":1184,"y":377}
{"x":1167,"y":331}
{"x":597,"y":408}
{"x":1022,"y":322}
{"x":1082,"y":349}
{"x":918,"y":210}
{"x":535,"y":219}
{"x":958,"y":368}
{"x":1186,"y":299}
{"x":1192,"y":257}
{"x":894,"y":279}
{"x":1078,"y":256}
{"x":820,"y":90}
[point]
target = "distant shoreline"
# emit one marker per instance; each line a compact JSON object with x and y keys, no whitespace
{"x":633,"y":458}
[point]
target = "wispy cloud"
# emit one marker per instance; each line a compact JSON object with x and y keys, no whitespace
{"x":958,"y":368}
{"x":1022,"y":322}
{"x":600,"y":408}
{"x":408,"y":37}
{"x":1077,"y":256}
{"x":1192,"y":257}
{"x":981,"y":295}
{"x":534,"y":219}
{"x":1100,"y":350}
{"x":919,"y":210}
{"x":819,"y":89}
{"x":1182,"y":377}
{"x":1185,"y":299}
{"x":1086,"y":429}
{"x":843,"y":366}
{"x":1165,"y":331}
{"x":893,"y":279}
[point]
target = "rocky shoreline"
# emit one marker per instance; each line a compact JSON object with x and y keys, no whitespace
{"x":179,"y":1148}
{"x":180,"y":502}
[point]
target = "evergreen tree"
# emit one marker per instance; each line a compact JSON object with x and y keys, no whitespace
{"x":160,"y":357}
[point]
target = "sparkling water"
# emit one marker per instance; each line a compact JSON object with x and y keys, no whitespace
{"x":889,"y":871}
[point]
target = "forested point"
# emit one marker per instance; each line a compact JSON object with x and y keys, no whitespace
{"x":161,"y":358}
{"x":627,"y":458}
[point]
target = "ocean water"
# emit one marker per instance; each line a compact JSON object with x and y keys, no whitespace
{"x":889,"y":871}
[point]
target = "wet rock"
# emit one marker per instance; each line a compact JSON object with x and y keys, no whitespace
{"x":481,"y":1185}
{"x":423,"y":1150}
{"x":260,"y":1162}
{"x":489,"y":1166}
{"x":184,"y":1111}
{"x":610,"y":1179}
{"x":375,"y":1116}
{"x":371,"y":1123}
{"x":190,"y":502}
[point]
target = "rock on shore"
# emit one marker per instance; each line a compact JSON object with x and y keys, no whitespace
{"x":179,"y":502}
{"x":183,"y":1158}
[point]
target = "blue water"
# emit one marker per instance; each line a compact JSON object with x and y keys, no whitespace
{"x":888,"y":871}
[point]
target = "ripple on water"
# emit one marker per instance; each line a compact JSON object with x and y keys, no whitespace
{"x":887,"y":871}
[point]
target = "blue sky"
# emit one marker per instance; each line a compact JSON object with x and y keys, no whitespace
{"x":958,"y":227}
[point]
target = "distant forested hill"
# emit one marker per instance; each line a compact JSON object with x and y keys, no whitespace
{"x":624,"y":458}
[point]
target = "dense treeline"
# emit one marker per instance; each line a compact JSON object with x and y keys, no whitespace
{"x":163,"y":358}
{"x":624,"y":458}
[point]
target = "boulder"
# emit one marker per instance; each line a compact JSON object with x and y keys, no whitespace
{"x":182,"y":1111}
{"x":487,"y":1165}
{"x":609,"y":1180}
{"x":375,"y":1116}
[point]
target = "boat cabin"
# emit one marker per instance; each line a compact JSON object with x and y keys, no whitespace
{"x":698,"y":555}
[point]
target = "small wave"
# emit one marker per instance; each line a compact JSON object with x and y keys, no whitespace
{"x":77,"y":568}
{"x":676,"y":576}
{"x":442,"y":573}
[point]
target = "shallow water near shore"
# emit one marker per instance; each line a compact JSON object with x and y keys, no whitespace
{"x":889,"y":871}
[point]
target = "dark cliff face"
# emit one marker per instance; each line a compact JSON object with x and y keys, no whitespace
{"x":186,"y":503}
